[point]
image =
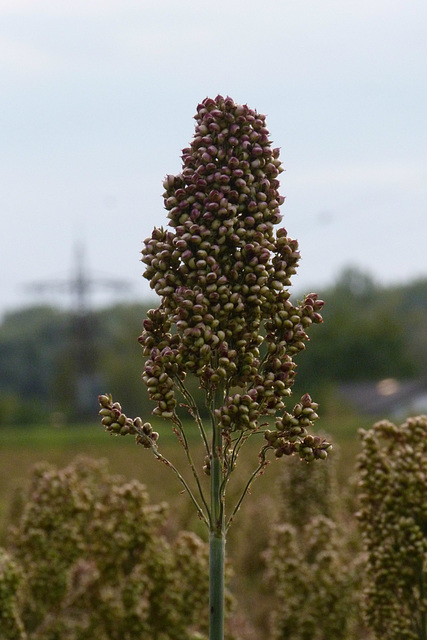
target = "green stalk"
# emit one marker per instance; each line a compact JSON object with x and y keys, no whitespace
{"x":169,"y":464}
{"x":252,"y":477}
{"x":194,"y":410}
{"x":216,"y":586}
{"x":217,"y":534}
{"x":183,"y":439}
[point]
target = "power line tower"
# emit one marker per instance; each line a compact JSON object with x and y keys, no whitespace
{"x":80,"y":285}
{"x":83,"y":344}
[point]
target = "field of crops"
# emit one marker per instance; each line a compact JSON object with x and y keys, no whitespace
{"x":22,"y":448}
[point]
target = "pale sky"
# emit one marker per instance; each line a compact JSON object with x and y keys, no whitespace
{"x":97,"y":99}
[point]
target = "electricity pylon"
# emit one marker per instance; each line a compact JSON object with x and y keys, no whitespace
{"x":83,"y":349}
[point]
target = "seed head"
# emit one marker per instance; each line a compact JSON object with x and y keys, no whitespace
{"x":222,"y":272}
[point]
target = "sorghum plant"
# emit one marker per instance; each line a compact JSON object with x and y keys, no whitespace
{"x":313,"y":583}
{"x":308,"y":492}
{"x":11,"y":626}
{"x":225,"y":315}
{"x":393,"y":522}
{"x":312,"y":563}
{"x":87,"y":559}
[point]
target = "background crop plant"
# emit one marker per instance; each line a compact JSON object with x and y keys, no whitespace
{"x":10,"y":581}
{"x":87,"y":558}
{"x":313,"y":562}
{"x":393,"y":523}
{"x":222,"y":274}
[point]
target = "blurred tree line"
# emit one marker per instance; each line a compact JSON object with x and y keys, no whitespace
{"x":53,"y":363}
{"x":369,"y":332}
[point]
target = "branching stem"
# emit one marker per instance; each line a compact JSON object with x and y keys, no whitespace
{"x":194,"y":412}
{"x":263,"y":463}
{"x":217,"y":531}
{"x":185,"y":444}
{"x":168,"y":463}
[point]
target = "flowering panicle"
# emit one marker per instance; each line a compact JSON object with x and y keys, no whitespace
{"x":393,"y":523}
{"x":222,"y":273}
{"x":291,"y":434}
{"x":116,"y":422}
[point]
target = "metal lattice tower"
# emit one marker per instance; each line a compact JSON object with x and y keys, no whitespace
{"x":79,"y":286}
{"x":83,"y":334}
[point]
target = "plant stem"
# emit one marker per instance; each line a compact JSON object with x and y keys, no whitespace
{"x":263,"y":463}
{"x":216,"y":586}
{"x":184,"y":442}
{"x":217,"y":532}
{"x":194,"y":410}
{"x":202,"y":515}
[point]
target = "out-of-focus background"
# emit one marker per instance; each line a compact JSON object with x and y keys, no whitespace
{"x":97,"y":100}
{"x":97,"y":103}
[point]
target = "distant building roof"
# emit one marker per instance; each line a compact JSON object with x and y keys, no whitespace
{"x":386,"y":398}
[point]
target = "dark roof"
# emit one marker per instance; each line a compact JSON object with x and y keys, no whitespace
{"x":385,"y":397}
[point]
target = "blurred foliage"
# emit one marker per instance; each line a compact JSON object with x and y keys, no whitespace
{"x":313,"y":560}
{"x":392,"y":469}
{"x":298,"y":529}
{"x":369,"y":332}
{"x":349,"y":560}
{"x":87,"y":558}
{"x":49,"y":357}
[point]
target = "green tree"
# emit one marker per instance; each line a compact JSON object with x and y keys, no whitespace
{"x":29,"y":342}
{"x":366,"y":334}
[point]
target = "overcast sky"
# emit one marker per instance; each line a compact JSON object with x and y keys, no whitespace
{"x":97,"y":99}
